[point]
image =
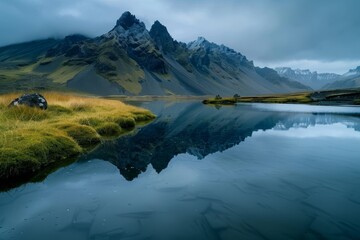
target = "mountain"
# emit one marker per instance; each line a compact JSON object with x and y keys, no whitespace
{"x":351,"y":79}
{"x":312,"y":79}
{"x":131,"y":60}
{"x":353,"y":72}
{"x":272,"y":76}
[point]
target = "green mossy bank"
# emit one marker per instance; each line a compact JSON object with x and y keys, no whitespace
{"x":33,"y":140}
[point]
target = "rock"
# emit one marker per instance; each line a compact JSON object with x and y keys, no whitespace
{"x":162,"y":38}
{"x":70,"y":46}
{"x":31,"y":100}
{"x":127,"y":20}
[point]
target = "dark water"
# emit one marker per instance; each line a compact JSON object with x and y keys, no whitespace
{"x":197,"y":172}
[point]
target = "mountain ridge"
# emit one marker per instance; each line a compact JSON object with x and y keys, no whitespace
{"x":131,"y":60}
{"x":350,"y":79}
{"x":313,"y":79}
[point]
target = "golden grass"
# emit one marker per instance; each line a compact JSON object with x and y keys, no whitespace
{"x":279,"y":98}
{"x":31,"y":139}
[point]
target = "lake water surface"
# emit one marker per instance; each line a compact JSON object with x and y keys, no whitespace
{"x":253,"y":171}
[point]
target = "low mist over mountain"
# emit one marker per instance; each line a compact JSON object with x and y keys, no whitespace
{"x":131,"y":60}
{"x":351,"y":79}
{"x":312,"y":79}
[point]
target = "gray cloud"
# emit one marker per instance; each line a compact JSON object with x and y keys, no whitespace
{"x":272,"y":32}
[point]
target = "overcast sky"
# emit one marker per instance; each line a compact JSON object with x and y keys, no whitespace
{"x":321,"y":35}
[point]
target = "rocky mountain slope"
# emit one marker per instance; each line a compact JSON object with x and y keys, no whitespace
{"x":351,"y":79}
{"x":131,"y":60}
{"x":312,"y":79}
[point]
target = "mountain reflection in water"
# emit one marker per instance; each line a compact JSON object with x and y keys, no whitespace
{"x":199,"y":130}
{"x":265,"y":173}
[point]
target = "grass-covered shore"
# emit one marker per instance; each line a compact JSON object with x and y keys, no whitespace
{"x":32,"y":139}
{"x":279,"y":98}
{"x":331,"y":97}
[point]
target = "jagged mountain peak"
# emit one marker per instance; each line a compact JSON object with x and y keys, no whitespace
{"x":285,"y":70}
{"x":127,"y":20}
{"x":128,"y":29}
{"x":200,"y":42}
{"x":162,"y":37}
{"x":159,"y":30}
{"x":158,"y":24}
{"x":305,"y":71}
{"x":129,"y":59}
{"x":220,"y":51}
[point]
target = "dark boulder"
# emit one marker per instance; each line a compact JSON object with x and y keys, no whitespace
{"x":31,"y":100}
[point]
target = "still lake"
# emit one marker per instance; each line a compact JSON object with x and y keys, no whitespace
{"x":251,"y":171}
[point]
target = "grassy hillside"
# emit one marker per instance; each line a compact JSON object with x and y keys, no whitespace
{"x":19,"y":63}
{"x":32,"y":139}
{"x":23,"y":53}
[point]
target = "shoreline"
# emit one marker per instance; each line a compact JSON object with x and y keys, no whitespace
{"x":146,"y":98}
{"x":35,"y":142}
{"x":349,"y":97}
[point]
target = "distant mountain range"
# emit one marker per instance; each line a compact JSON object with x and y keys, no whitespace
{"x":324,"y":81}
{"x":312,"y":79}
{"x":351,"y":79}
{"x":131,"y":60}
